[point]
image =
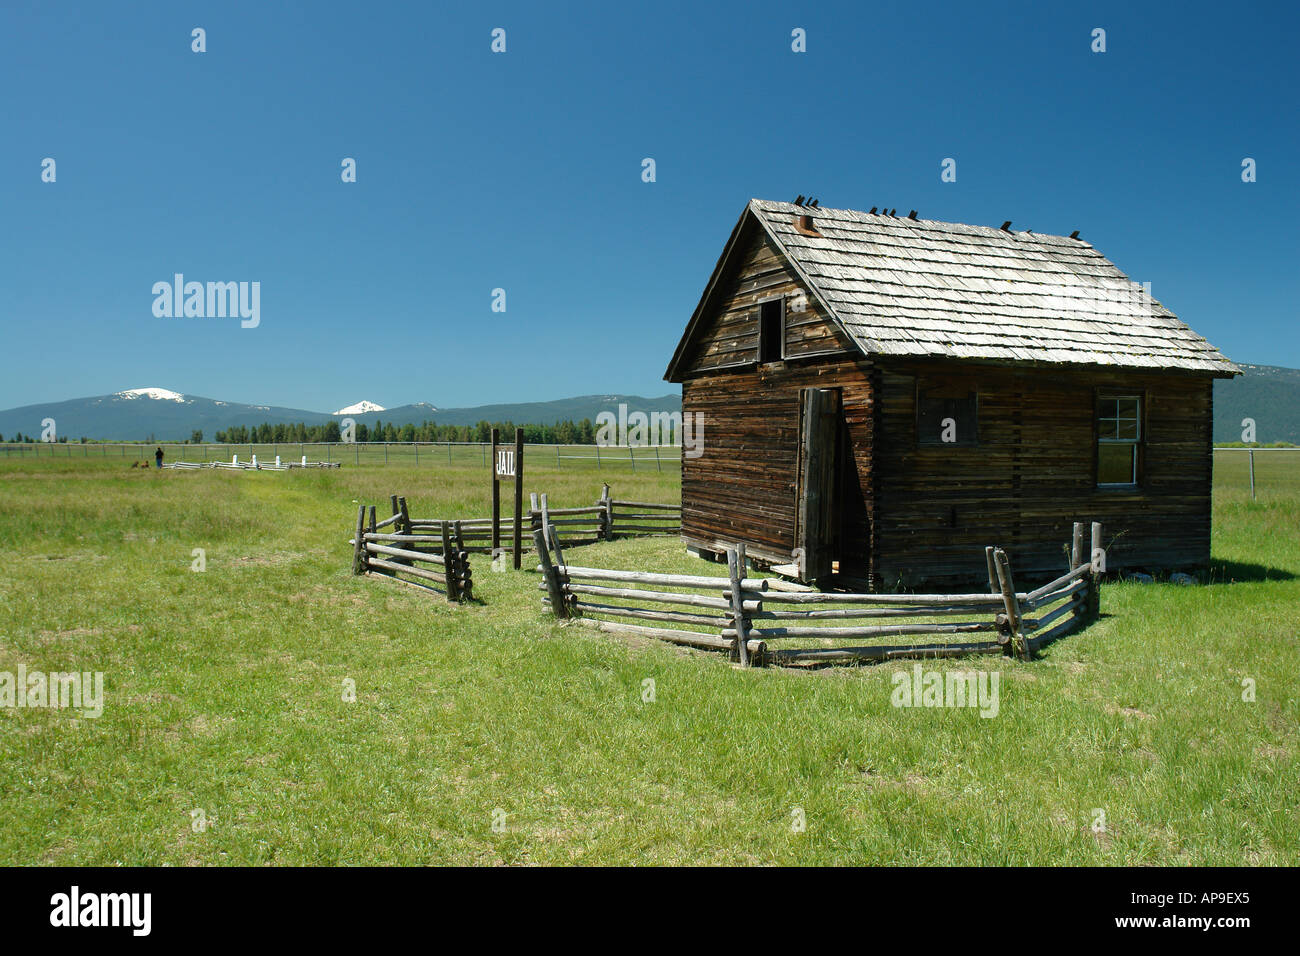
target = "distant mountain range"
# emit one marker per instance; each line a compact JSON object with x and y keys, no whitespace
{"x":1266,"y":393}
{"x":137,"y":413}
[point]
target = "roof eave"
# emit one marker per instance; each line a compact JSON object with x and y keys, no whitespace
{"x":670,"y":375}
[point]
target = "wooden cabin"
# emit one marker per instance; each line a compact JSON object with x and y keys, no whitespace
{"x":880,"y":397}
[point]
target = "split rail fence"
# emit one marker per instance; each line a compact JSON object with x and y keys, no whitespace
{"x":397,"y":547}
{"x":389,"y":547}
{"x":748,"y":617}
{"x":606,"y":519}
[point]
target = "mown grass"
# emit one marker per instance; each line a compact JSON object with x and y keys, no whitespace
{"x":224,"y":693}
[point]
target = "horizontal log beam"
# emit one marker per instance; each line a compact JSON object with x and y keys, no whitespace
{"x":1055,"y":596}
{"x":689,"y":638}
{"x":666,"y":597}
{"x":404,"y":553}
{"x":1060,"y":582}
{"x":883,"y":630}
{"x":648,"y":614}
{"x":667,"y":580}
{"x":407,"y":569}
{"x":918,"y":600}
{"x":801,"y":656}
{"x":844,"y":613}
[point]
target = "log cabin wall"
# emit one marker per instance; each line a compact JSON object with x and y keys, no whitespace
{"x":743,"y":486}
{"x":1033,"y":472}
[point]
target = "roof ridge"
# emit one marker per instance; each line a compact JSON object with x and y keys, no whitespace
{"x":763,"y":204}
{"x":902,"y":286}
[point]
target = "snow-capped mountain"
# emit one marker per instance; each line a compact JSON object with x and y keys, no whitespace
{"x":360,"y":408}
{"x":161,"y":394}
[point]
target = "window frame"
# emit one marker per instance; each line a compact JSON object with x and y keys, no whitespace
{"x":780,"y":324}
{"x":972,"y":395}
{"x":1137,"y":443}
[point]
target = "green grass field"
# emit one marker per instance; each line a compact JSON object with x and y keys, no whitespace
{"x":224,"y":693}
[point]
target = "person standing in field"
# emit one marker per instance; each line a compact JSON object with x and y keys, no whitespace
{"x":157,"y":455}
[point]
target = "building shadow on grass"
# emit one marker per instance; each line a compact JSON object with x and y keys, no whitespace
{"x":1234,"y":572}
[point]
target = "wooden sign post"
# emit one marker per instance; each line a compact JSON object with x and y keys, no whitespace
{"x":508,"y":463}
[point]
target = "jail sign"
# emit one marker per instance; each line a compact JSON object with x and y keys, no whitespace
{"x":505,"y":463}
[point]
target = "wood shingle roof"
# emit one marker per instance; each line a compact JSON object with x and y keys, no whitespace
{"x":919,"y":287}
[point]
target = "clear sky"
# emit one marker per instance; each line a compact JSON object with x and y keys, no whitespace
{"x":522,"y":170}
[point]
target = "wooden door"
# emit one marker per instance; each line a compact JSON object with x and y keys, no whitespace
{"x":815,"y":511}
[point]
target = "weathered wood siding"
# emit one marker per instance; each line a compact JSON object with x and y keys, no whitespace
{"x":1033,"y":473}
{"x":729,"y":337}
{"x":743,"y":487}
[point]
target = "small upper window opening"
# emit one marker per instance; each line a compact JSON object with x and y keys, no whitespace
{"x":771,"y":329}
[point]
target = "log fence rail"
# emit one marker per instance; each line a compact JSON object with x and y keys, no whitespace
{"x":398,"y":554}
{"x":749,"y":618}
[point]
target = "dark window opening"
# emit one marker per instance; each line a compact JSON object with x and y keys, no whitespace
{"x":1119,"y":432}
{"x":947,"y":419}
{"x":771,"y":324}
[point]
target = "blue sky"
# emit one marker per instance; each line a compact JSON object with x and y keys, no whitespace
{"x":522,"y":171}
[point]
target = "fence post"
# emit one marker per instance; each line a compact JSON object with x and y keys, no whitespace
{"x":554,"y":589}
{"x":659,"y":465}
{"x":992,"y":569}
{"x":1012,"y":606}
{"x":359,"y":553}
{"x":631,"y":454}
{"x":1098,"y":568}
{"x":462,"y":557}
{"x":736,"y":570}
{"x":607,"y":514}
{"x":1252,"y":474}
{"x":450,"y":565}
{"x":1076,"y":547}
{"x":399,"y":526}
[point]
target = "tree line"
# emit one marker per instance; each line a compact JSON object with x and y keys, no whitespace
{"x":567,"y":432}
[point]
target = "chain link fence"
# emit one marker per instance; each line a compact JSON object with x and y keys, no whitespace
{"x":1257,"y":471}
{"x":422,"y":454}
